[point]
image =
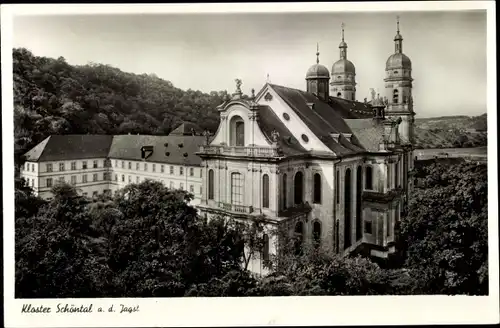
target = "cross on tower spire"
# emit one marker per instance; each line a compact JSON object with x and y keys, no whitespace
{"x":397,"y":18}
{"x":317,"y":53}
{"x":342,"y":25}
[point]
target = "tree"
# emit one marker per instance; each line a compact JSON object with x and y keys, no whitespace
{"x":58,"y":253}
{"x":445,"y":232}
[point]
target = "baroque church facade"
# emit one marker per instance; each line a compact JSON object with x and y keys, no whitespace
{"x":327,"y":169}
{"x":332,"y":171}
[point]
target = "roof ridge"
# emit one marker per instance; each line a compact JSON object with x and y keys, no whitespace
{"x":44,"y":146}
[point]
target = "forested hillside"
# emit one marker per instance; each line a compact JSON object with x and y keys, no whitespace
{"x":451,"y":131}
{"x":53,"y":97}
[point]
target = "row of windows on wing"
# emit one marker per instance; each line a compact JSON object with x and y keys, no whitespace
{"x":171,"y":185}
{"x":153,"y":168}
{"x":84,"y":165}
{"x":95,"y":194}
{"x":237,"y":187}
{"x":49,"y":182}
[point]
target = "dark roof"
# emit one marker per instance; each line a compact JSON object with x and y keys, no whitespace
{"x":351,"y":109}
{"x":367,"y":132}
{"x":323,"y":119}
{"x":68,"y":147}
{"x":268,"y":121}
{"x":165,"y":148}
{"x":187,"y":128}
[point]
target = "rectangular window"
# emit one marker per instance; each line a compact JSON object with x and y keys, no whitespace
{"x":123,"y":164}
{"x":181,"y":185}
{"x":73,"y":179}
{"x":368,"y":227}
{"x":73,"y":166}
{"x":61,"y":180}
{"x":27,"y":167}
{"x":123,"y":178}
{"x":137,"y":166}
{"x":201,"y":190}
{"x":130,"y":165}
{"x":61,"y":167}
{"x":116,"y":163}
{"x":129,"y":179}
{"x":171,"y":170}
{"x":94,"y":165}
{"x":201,"y":173}
{"x":154,"y":167}
{"x":191,"y":172}
{"x":32,"y":182}
{"x":236,"y":189}
{"x":171,"y":185}
{"x":136,"y":179}
{"x":191,"y":189}
{"x":116,"y":177}
{"x":32,"y":167}
{"x":94,"y":177}
{"x":181,"y":170}
{"x":84,"y":178}
{"x":49,"y":182}
{"x":84,"y":165}
{"x":48,"y":167}
{"x":162,"y":168}
{"x":145,"y":166}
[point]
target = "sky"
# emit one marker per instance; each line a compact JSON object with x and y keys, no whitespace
{"x":208,"y":52}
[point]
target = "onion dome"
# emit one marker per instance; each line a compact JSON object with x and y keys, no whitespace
{"x":317,"y":71}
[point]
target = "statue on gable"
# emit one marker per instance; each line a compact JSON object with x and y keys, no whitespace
{"x":238,"y":85}
{"x":275,"y":136}
{"x":207,"y":135}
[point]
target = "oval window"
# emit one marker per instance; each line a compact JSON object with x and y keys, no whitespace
{"x":305,"y":138}
{"x":286,"y":116}
{"x":395,"y":72}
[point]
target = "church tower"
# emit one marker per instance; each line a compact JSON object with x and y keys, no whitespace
{"x":343,"y":74}
{"x":398,"y":87}
{"x":317,"y":78}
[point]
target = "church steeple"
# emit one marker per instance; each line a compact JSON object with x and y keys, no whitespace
{"x":317,"y":78}
{"x":343,"y":45}
{"x":343,"y":74}
{"x":398,"y":40}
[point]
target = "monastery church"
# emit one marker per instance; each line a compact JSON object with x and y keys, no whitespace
{"x":332,"y":171}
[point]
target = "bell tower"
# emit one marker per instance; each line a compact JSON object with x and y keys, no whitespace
{"x":398,"y":87}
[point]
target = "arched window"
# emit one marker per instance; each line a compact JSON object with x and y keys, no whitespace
{"x":337,"y":187}
{"x":396,"y":176}
{"x":237,"y":185}
{"x":353,"y":97}
{"x":265,"y":247}
{"x":317,"y":188}
{"x":299,"y":237}
{"x":284,"y":191}
{"x":265,"y":191}
{"x":237,"y":131}
{"x":298,"y":186}
{"x":317,"y":233}
{"x":339,"y":94}
{"x":211,"y":184}
{"x":359,"y":209}
{"x":395,"y":96}
{"x":347,"y":209}
{"x":369,"y":178}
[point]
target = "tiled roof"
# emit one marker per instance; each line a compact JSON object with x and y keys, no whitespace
{"x":68,"y":147}
{"x":323,"y":119}
{"x":268,"y":121}
{"x":166,"y":149}
{"x":368,"y":133}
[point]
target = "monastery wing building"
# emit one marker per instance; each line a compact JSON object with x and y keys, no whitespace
{"x":329,"y":169}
